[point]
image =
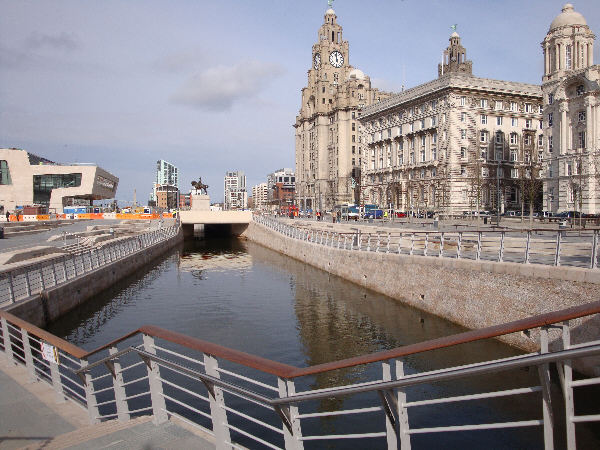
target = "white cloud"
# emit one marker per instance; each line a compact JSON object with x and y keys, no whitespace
{"x":61,"y":41}
{"x":218,"y":88}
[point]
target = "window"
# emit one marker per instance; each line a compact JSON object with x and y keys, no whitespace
{"x":581,"y":116}
{"x":463,"y":152}
{"x":540,"y":140}
{"x":412,"y":158}
{"x":568,"y":168}
{"x":463,"y":134}
{"x":514,"y":122}
{"x":498,"y":105}
{"x":485,"y":172}
{"x":433,"y":104}
{"x":528,"y":107}
{"x":513,"y":139}
{"x":463,"y":171}
{"x":550,"y":119}
{"x":434,"y":138}
{"x":514,"y":173}
{"x":499,"y":137}
{"x":483,"y":119}
{"x":499,"y":155}
{"x":568,"y":57}
{"x":541,"y":124}
{"x":499,"y":120}
{"x":353,"y":126}
{"x":4,"y":173}
{"x":483,"y":153}
{"x":528,"y":123}
{"x":434,"y":121}
{"x":354,"y":149}
{"x":434,"y":153}
{"x":433,"y":172}
{"x":483,"y":103}
{"x":513,"y":155}
{"x":354,"y":114}
{"x":527,"y":139}
{"x":422,"y":141}
{"x":483,"y":136}
{"x":463,"y":101}
{"x":549,"y":144}
{"x":422,"y":124}
{"x":463,"y":116}
{"x":581,"y":139}
{"x":513,"y":106}
{"x":353,"y":138}
{"x":43,"y":185}
{"x":423,"y":155}
{"x":579,"y":90}
{"x":500,"y":172}
{"x":550,"y":99}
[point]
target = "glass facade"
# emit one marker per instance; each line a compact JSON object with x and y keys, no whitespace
{"x":4,"y":173}
{"x":43,"y":185}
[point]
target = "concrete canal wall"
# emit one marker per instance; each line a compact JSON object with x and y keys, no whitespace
{"x":56,"y":301}
{"x":471,"y":293}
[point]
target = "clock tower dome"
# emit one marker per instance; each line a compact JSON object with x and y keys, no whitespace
{"x":328,"y":145}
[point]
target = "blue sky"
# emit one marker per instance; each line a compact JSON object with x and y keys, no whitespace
{"x":215,"y":86}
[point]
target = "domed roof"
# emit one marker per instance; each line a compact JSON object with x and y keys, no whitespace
{"x":329,"y":11}
{"x":455,"y":34}
{"x":568,"y":16}
{"x":356,"y":74}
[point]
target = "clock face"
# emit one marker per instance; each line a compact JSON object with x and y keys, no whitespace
{"x":317,"y":60}
{"x":336,"y":59}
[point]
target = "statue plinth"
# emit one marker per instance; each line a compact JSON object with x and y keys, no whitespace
{"x":200,"y":202}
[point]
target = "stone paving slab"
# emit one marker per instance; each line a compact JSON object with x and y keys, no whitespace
{"x":31,"y":418}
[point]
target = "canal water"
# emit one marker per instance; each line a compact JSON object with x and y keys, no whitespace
{"x":244,"y":296}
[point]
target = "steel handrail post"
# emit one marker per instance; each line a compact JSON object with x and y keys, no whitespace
{"x":28,"y":355}
{"x":459,"y":244}
{"x":369,"y":243}
{"x":391,"y":422}
{"x":593,"y":260}
{"x":378,"y":242}
{"x":544,"y":374}
{"x":412,"y":243}
{"x":119,"y":387}
{"x":478,"y":255}
{"x":441,"y":244}
{"x":217,"y":405}
{"x":292,"y":431}
{"x":426,"y":244}
{"x":8,"y":351}
{"x":501,"y":250}
{"x":557,"y":253}
{"x":56,"y":382}
{"x":345,"y":242}
{"x":90,"y":397}
{"x":527,"y":246}
{"x":159,"y":407}
{"x":400,"y":243}
{"x":402,"y":410}
{"x":567,"y":379}
{"x":388,"y":243}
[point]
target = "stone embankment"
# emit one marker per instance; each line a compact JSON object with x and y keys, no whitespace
{"x":475,"y":294}
{"x":42,"y":283}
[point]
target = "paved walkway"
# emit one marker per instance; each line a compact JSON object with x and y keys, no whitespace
{"x":31,"y":418}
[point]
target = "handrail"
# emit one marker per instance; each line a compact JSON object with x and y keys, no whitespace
{"x":290,"y":372}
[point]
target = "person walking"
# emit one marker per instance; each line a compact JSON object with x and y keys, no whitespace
{"x":7,"y":215}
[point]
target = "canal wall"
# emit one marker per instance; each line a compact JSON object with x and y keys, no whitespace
{"x":470,"y":293}
{"x":56,"y":301}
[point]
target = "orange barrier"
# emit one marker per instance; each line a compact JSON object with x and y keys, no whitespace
{"x":43,"y":217}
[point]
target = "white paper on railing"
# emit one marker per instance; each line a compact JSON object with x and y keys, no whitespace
{"x":49,"y":353}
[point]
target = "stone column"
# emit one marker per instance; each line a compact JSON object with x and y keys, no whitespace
{"x":564,"y":108}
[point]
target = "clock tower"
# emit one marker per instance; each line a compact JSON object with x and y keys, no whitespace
{"x":329,"y":150}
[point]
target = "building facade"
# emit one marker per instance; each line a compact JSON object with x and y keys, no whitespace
{"x":27,"y":179}
{"x":235,"y":194}
{"x":454,"y":144}
{"x":571,"y":87}
{"x":260,"y":196}
{"x":167,"y":177}
{"x":328,"y":144}
{"x":282,"y":187}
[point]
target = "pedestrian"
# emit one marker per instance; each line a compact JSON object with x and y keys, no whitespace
{"x":7,"y":215}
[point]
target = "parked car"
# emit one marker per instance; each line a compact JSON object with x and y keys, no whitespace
{"x":400,"y":214}
{"x":569,"y":214}
{"x":374,"y":214}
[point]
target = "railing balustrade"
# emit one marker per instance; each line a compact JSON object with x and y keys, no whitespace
{"x":247,"y":400}
{"x":556,"y":248}
{"x":31,"y":279}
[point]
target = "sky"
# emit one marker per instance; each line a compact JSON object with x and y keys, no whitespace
{"x":215,"y":86}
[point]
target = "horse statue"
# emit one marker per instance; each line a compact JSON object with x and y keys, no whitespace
{"x":200,"y":186}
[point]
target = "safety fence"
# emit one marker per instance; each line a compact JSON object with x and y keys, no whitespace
{"x":250,"y":401}
{"x":26,"y":280}
{"x":539,"y":246}
{"x":85,"y":216}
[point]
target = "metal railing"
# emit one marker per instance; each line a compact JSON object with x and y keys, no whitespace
{"x":555,"y":248}
{"x":248,"y":400}
{"x":27,"y":280}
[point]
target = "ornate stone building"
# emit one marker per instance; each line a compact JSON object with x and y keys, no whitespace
{"x":571,"y":87}
{"x":328,"y":142}
{"x":453,"y":144}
